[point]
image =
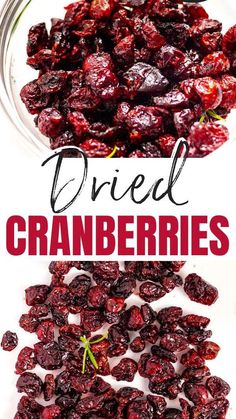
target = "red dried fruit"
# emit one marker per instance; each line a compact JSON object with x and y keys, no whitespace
{"x":158,"y":370}
{"x":28,"y":323}
{"x":48,"y":356}
{"x":144,"y":78}
{"x":174,"y":342}
{"x":101,"y":9}
{"x":45,"y":331}
{"x":149,"y":291}
{"x":199,"y":290}
{"x":229,"y":41}
{"x":195,"y":374}
{"x":114,"y":305}
{"x":214,"y":64}
{"x":208,"y":136}
{"x":144,"y":121}
{"x":192,"y":359}
{"x":97,"y":296}
{"x":36,"y":294}
{"x":125,"y":370}
{"x":140,"y":409}
{"x":228,"y":87}
{"x":30,"y":384}
{"x":133,"y":318}
{"x":124,"y":286}
{"x":164,"y":354}
{"x":78,"y":390}
{"x":39,"y":310}
{"x":51,"y":412}
{"x":137,"y":345}
{"x":51,"y":122}
{"x":208,"y":350}
{"x":217,"y":387}
{"x":209,"y":91}
{"x":150,"y":333}
{"x":193,"y":321}
{"x":49,"y":387}
{"x":26,"y":360}
{"x":95,"y":148}
{"x":196,"y":393}
{"x":37,"y":39}
{"x":91,"y":319}
{"x":215,"y":408}
{"x":158,"y":403}
{"x":9,"y":341}
{"x":169,"y":314}
{"x":166,"y":144}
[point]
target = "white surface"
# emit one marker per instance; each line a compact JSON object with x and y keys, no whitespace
{"x":222,"y":314}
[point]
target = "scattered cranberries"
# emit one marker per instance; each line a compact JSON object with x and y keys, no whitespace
{"x":74,"y":385}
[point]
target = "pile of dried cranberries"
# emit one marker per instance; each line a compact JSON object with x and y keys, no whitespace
{"x":129,"y":77}
{"x":174,"y":346}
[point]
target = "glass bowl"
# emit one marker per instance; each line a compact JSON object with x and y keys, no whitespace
{"x":16,"y":17}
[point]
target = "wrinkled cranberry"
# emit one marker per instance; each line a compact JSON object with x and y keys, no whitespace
{"x":208,"y":350}
{"x":36,"y":294}
{"x":51,"y":122}
{"x":197,"y":393}
{"x":137,"y":345}
{"x":49,"y":387}
{"x":217,"y":387}
{"x":26,"y":360}
{"x":30,"y":384}
{"x":169,"y":315}
{"x":199,"y":290}
{"x":174,"y":342}
{"x":150,"y":333}
{"x":192,"y":359}
{"x":9,"y":341}
{"x":139,"y":409}
{"x":149,"y":291}
{"x":48,"y":356}
{"x":125,"y":370}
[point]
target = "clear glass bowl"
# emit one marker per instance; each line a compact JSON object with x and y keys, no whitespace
{"x":14,"y":73}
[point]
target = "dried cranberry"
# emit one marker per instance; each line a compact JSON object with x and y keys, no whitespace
{"x":51,"y":412}
{"x":139,"y":409}
{"x":91,"y":319}
{"x":36,"y":294}
{"x":51,"y":122}
{"x":49,"y":387}
{"x":48,"y":356}
{"x":149,"y":291}
{"x":197,"y":393}
{"x":192,"y":359}
{"x":174,"y":342}
{"x":208,"y":350}
{"x":199,"y":290}
{"x":137,"y":345}
{"x":26,"y":360}
{"x":9,"y":341}
{"x":169,"y":315}
{"x":30,"y":384}
{"x":217,"y":387}
{"x":125,"y":370}
{"x":150,"y":333}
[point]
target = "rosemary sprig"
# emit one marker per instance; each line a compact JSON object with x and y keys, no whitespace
{"x":88,"y":351}
{"x":112,"y":153}
{"x":203,"y":117}
{"x":213,"y":114}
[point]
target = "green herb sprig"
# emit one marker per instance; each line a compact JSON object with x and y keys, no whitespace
{"x":88,"y":353}
{"x":211,"y":113}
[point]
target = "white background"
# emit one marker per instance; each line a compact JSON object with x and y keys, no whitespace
{"x":22,"y":189}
